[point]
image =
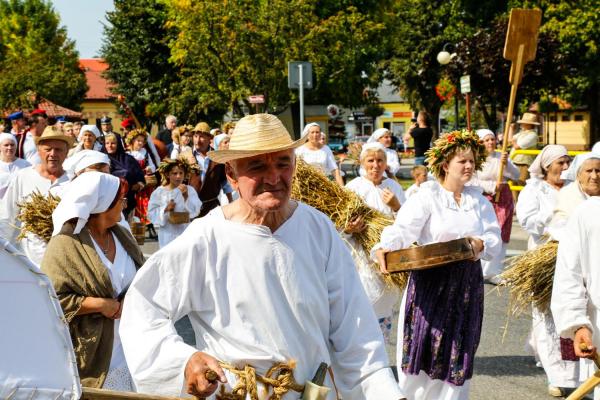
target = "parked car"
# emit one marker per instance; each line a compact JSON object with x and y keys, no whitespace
{"x":337,"y":144}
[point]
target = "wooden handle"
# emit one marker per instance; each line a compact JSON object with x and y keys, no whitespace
{"x":211,"y":376}
{"x":585,"y":387}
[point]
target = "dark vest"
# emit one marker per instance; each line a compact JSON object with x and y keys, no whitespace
{"x":209,"y":188}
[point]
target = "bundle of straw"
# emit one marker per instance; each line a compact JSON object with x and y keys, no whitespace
{"x":35,"y":215}
{"x":530,"y":277}
{"x":342,"y":206}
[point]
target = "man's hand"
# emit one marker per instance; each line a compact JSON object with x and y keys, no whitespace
{"x":583,"y":343}
{"x":390,"y":199}
{"x":196,"y":368}
{"x":380,"y":255}
{"x":355,"y":226}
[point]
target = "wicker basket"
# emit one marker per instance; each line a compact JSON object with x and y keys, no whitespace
{"x":177,"y":218}
{"x":139,"y":232}
{"x":151,"y":180}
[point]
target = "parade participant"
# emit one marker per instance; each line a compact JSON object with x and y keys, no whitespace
{"x":383,"y":136}
{"x":18,"y":123}
{"x":9,"y":163}
{"x":68,"y":129}
{"x":317,"y":155}
{"x":421,"y":134}
{"x":182,"y":140}
{"x":165,"y":135}
{"x":211,"y":178}
{"x":86,"y":160}
{"x":221,"y":141}
{"x":87,"y":139}
{"x":106,"y":128}
{"x":26,"y":145}
{"x":122,"y":165}
{"x":229,"y":127}
{"x":77,"y":128}
{"x":442,"y":310}
{"x":91,"y":260}
{"x":174,"y":196}
{"x":257,"y":293}
{"x":420,"y":174}
{"x":486,"y":179}
{"x":534,"y":212}
{"x":576,"y":283}
{"x":127,"y":125}
{"x":525,"y":139}
{"x":47,"y":177}
{"x":384,"y":195}
{"x":60,"y":122}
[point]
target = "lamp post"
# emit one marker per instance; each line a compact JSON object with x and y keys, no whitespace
{"x":444,"y":57}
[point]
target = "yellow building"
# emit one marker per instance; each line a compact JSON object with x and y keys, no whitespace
{"x":99,"y":101}
{"x":571,"y":128}
{"x":396,"y":117}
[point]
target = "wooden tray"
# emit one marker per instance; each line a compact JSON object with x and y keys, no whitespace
{"x":428,"y":256}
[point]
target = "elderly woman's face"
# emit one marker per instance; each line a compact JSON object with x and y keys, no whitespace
{"x":556,"y":168}
{"x":374,"y":163}
{"x":264,"y":181}
{"x":490,"y":143}
{"x":8,"y":150}
{"x":88,"y":139}
{"x":111,"y":144}
{"x":461,"y":167}
{"x":314,"y":135}
{"x":386,"y":140}
{"x":589,"y":177}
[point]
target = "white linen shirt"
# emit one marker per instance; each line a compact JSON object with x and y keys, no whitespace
{"x":534,"y":209}
{"x":256,"y":297}
{"x":393,"y":162}
{"x":7,"y":170}
{"x":432,"y":216}
{"x":372,"y":194}
{"x":487,"y":177}
{"x":322,"y":158}
{"x":30,"y":152}
{"x":159,"y":199}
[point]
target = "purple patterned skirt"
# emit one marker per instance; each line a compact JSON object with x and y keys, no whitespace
{"x":442,"y":322}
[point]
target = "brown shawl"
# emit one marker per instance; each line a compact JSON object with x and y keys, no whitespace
{"x":76,"y":271}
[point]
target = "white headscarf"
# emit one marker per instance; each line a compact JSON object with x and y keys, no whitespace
{"x":571,"y":173}
{"x":378,"y":134}
{"x":596,"y":148}
{"x":83,"y":159}
{"x":218,"y":139}
{"x":4,"y":136}
{"x":371,"y":146}
{"x":88,"y":128}
{"x":482,"y":133}
{"x":80,"y":199}
{"x":549,"y":154}
{"x":308,"y":126}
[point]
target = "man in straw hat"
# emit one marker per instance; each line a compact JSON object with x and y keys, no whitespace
{"x":47,"y":177}
{"x":268,"y":286}
{"x":525,"y":139}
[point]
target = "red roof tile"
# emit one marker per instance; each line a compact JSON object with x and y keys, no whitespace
{"x":99,"y":87}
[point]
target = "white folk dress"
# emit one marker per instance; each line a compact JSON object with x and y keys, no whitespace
{"x":121,"y":273}
{"x":142,"y":154}
{"x":576,"y":289}
{"x":322,"y":159}
{"x":382,"y":297}
{"x":256,"y":297}
{"x":393,"y":162}
{"x":179,"y":149}
{"x":431,"y":216}
{"x":7,"y":170}
{"x":159,"y":199}
{"x":569,"y":197}
{"x":534,"y":211}
{"x":25,"y":182}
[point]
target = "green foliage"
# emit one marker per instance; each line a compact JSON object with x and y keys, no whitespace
{"x":36,"y":57}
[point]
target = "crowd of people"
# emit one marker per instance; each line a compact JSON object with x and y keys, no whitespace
{"x":271,"y":287}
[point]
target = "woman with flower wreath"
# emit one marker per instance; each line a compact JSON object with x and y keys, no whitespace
{"x":174,"y":196}
{"x":442,"y":309}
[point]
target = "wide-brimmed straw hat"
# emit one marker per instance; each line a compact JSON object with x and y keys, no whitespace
{"x":255,"y":135}
{"x":53,"y":132}
{"x":529,"y":118}
{"x":202,"y":127}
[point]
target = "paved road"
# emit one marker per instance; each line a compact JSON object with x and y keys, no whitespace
{"x":502,"y":368}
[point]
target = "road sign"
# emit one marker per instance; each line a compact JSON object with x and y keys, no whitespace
{"x":465,"y":84}
{"x":294,"y":74}
{"x":256,"y":99}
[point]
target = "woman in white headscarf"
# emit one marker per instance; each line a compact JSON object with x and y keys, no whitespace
{"x":534,"y":212}
{"x":317,"y":155}
{"x":384,"y":136}
{"x":84,"y":161}
{"x":87,"y":139}
{"x":91,"y":261}
{"x":9,"y":163}
{"x":504,"y":208}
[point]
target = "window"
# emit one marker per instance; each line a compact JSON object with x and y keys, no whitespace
{"x":579,"y":117}
{"x":565,"y":118}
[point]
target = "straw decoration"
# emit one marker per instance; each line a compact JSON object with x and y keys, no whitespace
{"x":312,"y":187}
{"x":35,"y":215}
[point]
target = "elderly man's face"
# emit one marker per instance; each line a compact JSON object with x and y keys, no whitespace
{"x":589,"y":177}
{"x":171,"y":124}
{"x":264,"y":181}
{"x":53,"y":153}
{"x":202,"y":141}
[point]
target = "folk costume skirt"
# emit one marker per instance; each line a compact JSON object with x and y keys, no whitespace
{"x":443,"y":314}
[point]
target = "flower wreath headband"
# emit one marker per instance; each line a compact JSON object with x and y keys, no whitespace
{"x":168,"y":164}
{"x":135,"y":133}
{"x":451,"y":141}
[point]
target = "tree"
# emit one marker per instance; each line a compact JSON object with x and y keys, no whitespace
{"x":36,"y":57}
{"x":135,"y":46}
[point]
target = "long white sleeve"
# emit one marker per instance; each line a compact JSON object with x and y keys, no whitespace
{"x":492,"y":243}
{"x":193,"y":203}
{"x":156,"y":207}
{"x":393,"y":162}
{"x":532,"y":216}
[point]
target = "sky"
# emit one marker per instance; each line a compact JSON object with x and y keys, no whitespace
{"x":83,"y":20}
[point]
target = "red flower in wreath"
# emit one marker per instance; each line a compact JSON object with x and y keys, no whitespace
{"x":451,"y":138}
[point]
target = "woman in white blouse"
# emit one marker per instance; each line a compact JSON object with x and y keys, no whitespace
{"x":442,"y":309}
{"x":9,"y":163}
{"x":318,"y":155}
{"x":486,"y":179}
{"x":384,"y":136}
{"x":384,"y":195}
{"x":535,"y":209}
{"x":87,"y":139}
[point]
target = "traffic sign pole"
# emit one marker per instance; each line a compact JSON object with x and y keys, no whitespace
{"x":467,"y":98}
{"x":301,"y":95}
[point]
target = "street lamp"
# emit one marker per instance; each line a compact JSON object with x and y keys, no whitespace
{"x":444,"y":58}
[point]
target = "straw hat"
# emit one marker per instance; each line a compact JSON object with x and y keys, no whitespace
{"x":202,"y":127}
{"x":53,"y":132}
{"x":528,"y":118}
{"x":254,"y":135}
